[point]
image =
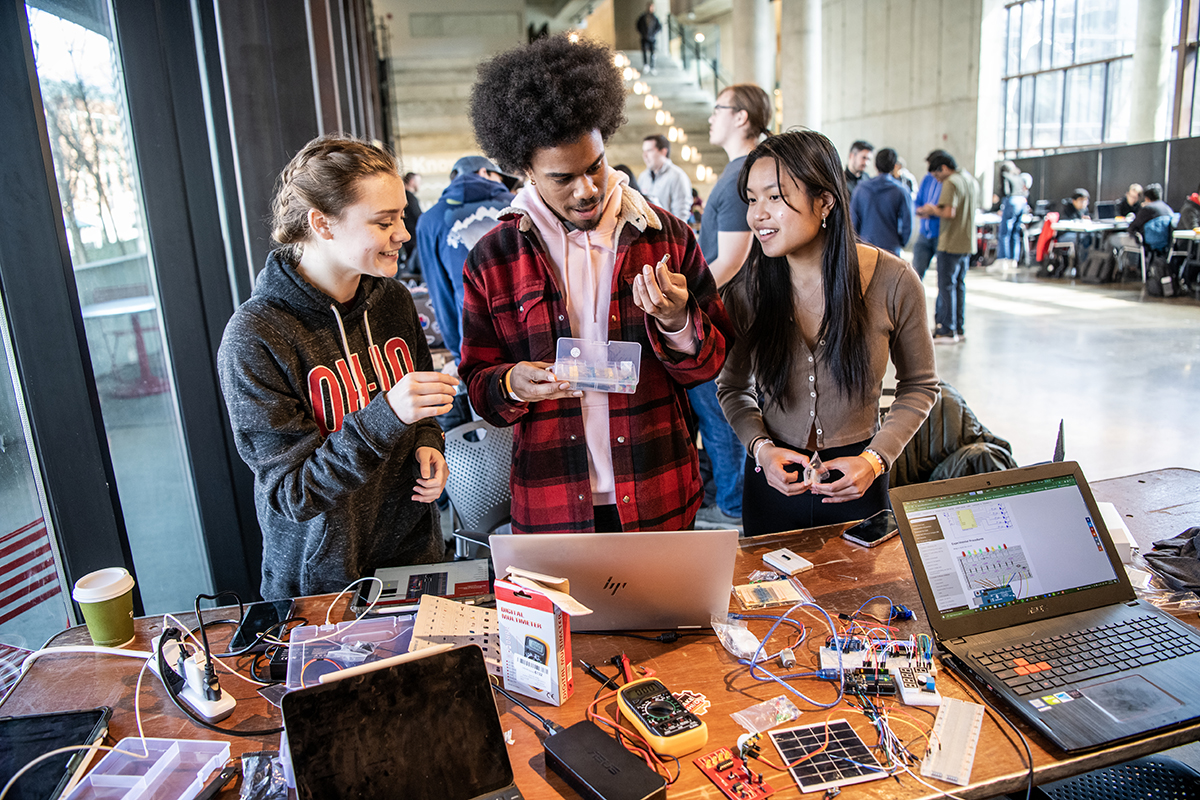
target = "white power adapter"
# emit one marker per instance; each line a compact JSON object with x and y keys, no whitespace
{"x":787,"y":562}
{"x":192,"y":692}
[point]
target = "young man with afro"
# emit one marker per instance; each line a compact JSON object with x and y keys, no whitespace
{"x":581,"y":254}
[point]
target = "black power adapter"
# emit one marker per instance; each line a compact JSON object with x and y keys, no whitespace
{"x":597,"y":767}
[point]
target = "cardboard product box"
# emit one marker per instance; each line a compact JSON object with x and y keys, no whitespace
{"x":534,"y":613}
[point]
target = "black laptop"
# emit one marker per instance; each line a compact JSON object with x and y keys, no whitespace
{"x":427,"y":729}
{"x":1023,"y":587}
{"x":1106,"y":210}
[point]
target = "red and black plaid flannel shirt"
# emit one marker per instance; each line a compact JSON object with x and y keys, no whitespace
{"x":514,"y":311}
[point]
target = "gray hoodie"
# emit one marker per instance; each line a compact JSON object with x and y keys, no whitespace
{"x":334,"y":467}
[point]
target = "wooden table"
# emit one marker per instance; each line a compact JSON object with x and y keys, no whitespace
{"x":1156,"y":505}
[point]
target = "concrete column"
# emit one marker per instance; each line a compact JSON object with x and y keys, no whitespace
{"x":625,"y":15}
{"x":987,"y":118}
{"x":800,"y":80}
{"x":1150,"y":102}
{"x":754,"y":43}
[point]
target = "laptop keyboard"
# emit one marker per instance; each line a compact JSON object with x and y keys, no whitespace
{"x":1090,"y":653}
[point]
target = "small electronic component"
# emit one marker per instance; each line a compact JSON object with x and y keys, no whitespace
{"x":660,"y":718}
{"x":731,"y":775}
{"x":753,"y":596}
{"x":870,"y":681}
{"x":787,"y":562}
{"x":917,"y":687}
{"x":901,"y":613}
{"x":787,"y":658}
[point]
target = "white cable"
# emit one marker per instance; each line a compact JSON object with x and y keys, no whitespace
{"x":348,"y":588}
{"x":907,"y":769}
{"x":60,"y":751}
{"x":200,"y":648}
{"x":112,"y":651}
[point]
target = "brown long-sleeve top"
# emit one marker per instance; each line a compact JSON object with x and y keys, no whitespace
{"x":897,"y":328}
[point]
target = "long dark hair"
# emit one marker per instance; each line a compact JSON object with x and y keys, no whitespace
{"x":765,"y":283}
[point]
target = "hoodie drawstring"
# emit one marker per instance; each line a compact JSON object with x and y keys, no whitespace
{"x":363,"y":397}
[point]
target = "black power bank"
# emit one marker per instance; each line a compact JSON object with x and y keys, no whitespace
{"x":597,"y":767}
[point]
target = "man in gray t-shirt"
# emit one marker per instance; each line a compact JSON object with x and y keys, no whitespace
{"x":741,"y":115}
{"x":724,"y":213}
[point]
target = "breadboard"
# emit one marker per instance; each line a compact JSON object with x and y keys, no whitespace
{"x":857,"y":659}
{"x":443,"y":621}
{"x":951,"y":752}
{"x":732,"y":776}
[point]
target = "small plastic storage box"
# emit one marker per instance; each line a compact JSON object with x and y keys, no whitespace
{"x":612,"y":367}
{"x":317,"y":649}
{"x":174,"y":769}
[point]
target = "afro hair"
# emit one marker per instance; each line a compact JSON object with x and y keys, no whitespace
{"x":545,"y":94}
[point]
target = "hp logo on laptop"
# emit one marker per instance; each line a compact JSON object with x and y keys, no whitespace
{"x":613,"y":587}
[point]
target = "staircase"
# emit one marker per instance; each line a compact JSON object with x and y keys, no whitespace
{"x":429,"y":99}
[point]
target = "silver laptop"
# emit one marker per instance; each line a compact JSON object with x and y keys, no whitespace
{"x":1023,"y":587}
{"x":651,"y":580}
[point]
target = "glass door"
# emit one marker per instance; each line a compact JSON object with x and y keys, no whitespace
{"x":83,"y":95}
{"x":33,"y":593}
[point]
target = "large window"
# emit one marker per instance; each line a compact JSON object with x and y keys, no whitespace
{"x":1066,"y":74}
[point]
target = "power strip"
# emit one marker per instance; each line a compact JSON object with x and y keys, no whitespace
{"x":192,"y":692}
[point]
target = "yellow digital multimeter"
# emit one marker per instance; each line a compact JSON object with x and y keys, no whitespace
{"x":662,"y":721}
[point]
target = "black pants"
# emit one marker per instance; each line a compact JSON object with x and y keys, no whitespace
{"x":766,"y":510}
{"x":648,"y":53}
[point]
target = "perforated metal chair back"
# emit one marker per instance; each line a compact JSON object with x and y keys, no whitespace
{"x":1159,"y":777}
{"x":479,"y":457}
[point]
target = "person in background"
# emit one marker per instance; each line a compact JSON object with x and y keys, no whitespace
{"x":956,"y":244}
{"x":1189,"y":215}
{"x":468,"y":208}
{"x":881,"y":208}
{"x":583,"y":255}
{"x":1153,"y":208}
{"x":329,"y":382}
{"x":741,"y":116}
{"x":648,"y":27}
{"x":697,"y":209}
{"x":663,"y":182}
{"x":1189,"y":220}
{"x":1131,"y":201}
{"x":902,"y":174}
{"x":412,"y":213}
{"x":1014,"y":199}
{"x":1075,"y":208}
{"x":625,"y":170}
{"x":817,"y":318}
{"x":856,"y":164}
{"x":927,"y":229}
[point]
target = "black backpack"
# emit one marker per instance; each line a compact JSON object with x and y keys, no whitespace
{"x":1100,"y":267}
{"x":1160,"y":277}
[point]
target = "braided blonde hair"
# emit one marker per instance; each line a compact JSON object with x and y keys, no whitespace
{"x":324,"y":176}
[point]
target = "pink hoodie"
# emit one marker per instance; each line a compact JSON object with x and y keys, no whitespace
{"x":584,"y":261}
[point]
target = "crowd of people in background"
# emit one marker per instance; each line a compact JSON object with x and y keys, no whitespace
{"x":767,"y":316}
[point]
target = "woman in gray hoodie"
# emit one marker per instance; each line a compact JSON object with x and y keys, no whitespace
{"x":330,"y":384}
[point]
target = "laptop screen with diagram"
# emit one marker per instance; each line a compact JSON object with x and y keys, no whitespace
{"x":998,"y":547}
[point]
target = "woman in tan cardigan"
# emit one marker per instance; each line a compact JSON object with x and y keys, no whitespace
{"x":817,"y":317}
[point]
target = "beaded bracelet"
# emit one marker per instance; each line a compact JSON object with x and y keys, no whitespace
{"x":757,"y":446}
{"x":877,"y":465}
